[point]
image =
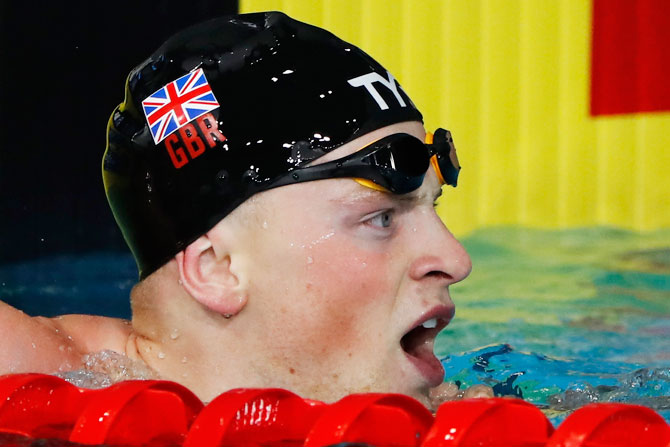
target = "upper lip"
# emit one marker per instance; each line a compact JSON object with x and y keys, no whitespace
{"x":442,"y":313}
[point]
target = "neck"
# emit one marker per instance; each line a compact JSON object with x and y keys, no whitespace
{"x":184,"y":342}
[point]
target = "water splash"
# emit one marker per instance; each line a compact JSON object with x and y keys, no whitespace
{"x":104,"y":368}
{"x":84,"y":378}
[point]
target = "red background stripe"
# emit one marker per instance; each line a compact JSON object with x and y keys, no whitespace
{"x":630,"y":70}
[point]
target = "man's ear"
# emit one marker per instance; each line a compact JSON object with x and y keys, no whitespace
{"x":205,"y":273}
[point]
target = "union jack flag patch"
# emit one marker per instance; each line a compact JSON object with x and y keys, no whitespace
{"x":178,"y":103}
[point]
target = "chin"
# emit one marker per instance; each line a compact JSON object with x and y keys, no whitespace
{"x":420,"y":393}
{"x":421,"y":396}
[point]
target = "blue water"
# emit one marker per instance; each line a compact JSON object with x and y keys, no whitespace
{"x":95,"y":283}
{"x":560,"y":318}
{"x":560,"y":386}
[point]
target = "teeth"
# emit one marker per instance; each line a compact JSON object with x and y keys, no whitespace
{"x":430,"y":324}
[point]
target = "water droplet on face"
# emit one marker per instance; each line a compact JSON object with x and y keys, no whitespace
{"x":161,"y":355}
{"x":309,"y":259}
{"x":321,"y":239}
{"x":34,"y":346}
{"x":265,"y":224}
{"x":61,"y":348}
{"x":413,"y":230}
{"x":65,"y":367}
{"x":174,"y":334}
{"x":184,"y":360}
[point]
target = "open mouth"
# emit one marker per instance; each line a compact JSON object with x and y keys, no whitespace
{"x":419,"y":341}
{"x":418,"y":346}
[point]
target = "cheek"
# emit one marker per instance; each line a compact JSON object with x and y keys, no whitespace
{"x":339,"y":266}
{"x":324,"y":297}
{"x":350,"y":290}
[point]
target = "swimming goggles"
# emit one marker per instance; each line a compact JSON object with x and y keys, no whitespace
{"x":396,"y":163}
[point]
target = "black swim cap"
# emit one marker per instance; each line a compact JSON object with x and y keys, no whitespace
{"x":223,"y":108}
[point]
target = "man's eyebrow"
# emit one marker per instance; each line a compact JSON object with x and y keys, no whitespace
{"x":358,"y":196}
{"x":370,"y":195}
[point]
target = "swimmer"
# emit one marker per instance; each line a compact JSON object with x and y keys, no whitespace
{"x":276,"y":187}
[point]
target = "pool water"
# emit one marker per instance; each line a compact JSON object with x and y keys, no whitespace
{"x":560,"y":318}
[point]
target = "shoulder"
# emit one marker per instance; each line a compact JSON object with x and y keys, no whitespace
{"x":91,"y":333}
{"x":50,"y":345}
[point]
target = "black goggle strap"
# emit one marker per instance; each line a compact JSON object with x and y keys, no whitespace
{"x":356,"y":165}
{"x":443,"y":156}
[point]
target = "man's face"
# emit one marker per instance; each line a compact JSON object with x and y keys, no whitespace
{"x":340,"y":280}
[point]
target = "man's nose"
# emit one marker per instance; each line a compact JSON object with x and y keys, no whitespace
{"x":439,"y":254}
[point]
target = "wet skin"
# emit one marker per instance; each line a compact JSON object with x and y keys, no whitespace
{"x":322,"y":279}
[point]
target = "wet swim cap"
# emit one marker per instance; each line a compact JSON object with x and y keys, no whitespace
{"x":223,"y":108}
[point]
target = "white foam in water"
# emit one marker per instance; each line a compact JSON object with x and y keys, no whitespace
{"x":646,"y":386}
{"x":104,"y":368}
{"x":84,"y":378}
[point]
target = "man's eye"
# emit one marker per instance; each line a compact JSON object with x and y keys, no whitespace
{"x":382,"y":220}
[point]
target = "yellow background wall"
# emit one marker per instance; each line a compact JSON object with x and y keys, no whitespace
{"x":510,"y":79}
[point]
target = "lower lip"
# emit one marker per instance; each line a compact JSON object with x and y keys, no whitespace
{"x":430,"y":368}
